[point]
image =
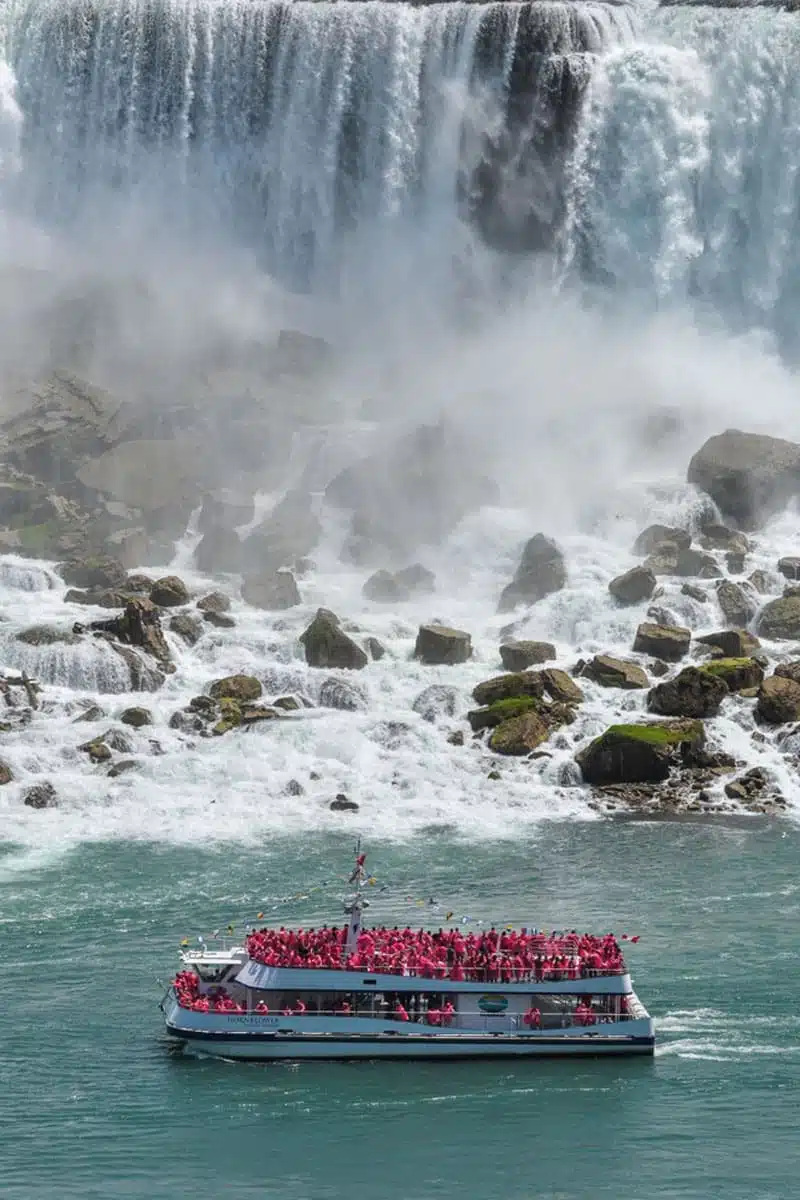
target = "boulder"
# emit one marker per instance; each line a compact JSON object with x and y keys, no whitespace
{"x":733,"y":643}
{"x":187,"y":627}
{"x":383,"y":587}
{"x":418,"y":579}
{"x":740,"y":674}
{"x":441,"y":645}
{"x":541,"y":572}
{"x":219,"y":551}
{"x":144,"y":676}
{"x":789,"y":567}
{"x":761,"y":582}
{"x":696,"y":563}
{"x":92,"y":713}
{"x":663,"y":560}
{"x":780,"y":619}
{"x":41,"y":795}
{"x":561,"y":687}
{"x":115,"y":739}
{"x":376,"y":648}
{"x":225,"y":509}
{"x":638,"y":753}
{"x":338,"y":693}
{"x":694,"y":593}
{"x":616,"y":673}
{"x":273,"y":591}
{"x":520,"y":735}
{"x":138,"y":585}
{"x":509,"y":687}
{"x":219,"y":620}
{"x":94,"y":572}
{"x":290,"y":531}
{"x":653,"y":536}
{"x":97,"y":750}
{"x":216,"y":602}
{"x":46,"y":635}
{"x":789,"y":670}
{"x":634,"y":586}
{"x":737,"y":606}
{"x":734,"y":561}
{"x":502,"y":711}
{"x":518,"y":656}
{"x":241,"y":688}
{"x":136,"y":717}
{"x":668,"y":642}
{"x":342,"y":804}
{"x":692,"y":693}
{"x":749,"y":476}
{"x":436,"y":702}
{"x":6,"y":774}
{"x":122,"y":768}
{"x":327,"y":645}
{"x":169,"y":592}
{"x":714,"y":536}
{"x":139,"y":625}
{"x":778,"y":700}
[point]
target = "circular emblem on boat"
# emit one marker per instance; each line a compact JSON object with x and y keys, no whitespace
{"x":493,"y":1003}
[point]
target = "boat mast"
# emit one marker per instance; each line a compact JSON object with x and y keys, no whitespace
{"x":356,"y":903}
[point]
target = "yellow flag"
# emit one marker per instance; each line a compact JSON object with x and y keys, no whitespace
{"x":184,"y":941}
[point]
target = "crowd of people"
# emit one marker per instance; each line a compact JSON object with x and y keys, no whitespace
{"x":507,"y":956}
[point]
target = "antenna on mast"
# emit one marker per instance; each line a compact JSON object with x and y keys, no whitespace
{"x":356,"y":903}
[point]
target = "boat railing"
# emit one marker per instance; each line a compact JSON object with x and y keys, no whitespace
{"x":489,"y":975}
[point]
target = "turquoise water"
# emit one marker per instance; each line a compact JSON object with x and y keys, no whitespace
{"x":95,"y":1103}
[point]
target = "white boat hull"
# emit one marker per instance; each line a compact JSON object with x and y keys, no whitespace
{"x":252,"y":1038}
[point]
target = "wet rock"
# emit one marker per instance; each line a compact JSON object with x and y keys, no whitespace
{"x":337,"y":693}
{"x":97,"y":750}
{"x":697,"y":563}
{"x":95,"y":572}
{"x":518,"y":656}
{"x":520,"y":735}
{"x":634,"y":586}
{"x":561,"y":687}
{"x":136,"y":717}
{"x":115,"y":739}
{"x":789,"y":670}
{"x":436,"y":702}
{"x":219,"y":551}
{"x":187,"y":627}
{"x":740,"y":674}
{"x":288,"y":704}
{"x":343,"y":804}
{"x":692,"y":693}
{"x":780,"y":619}
{"x":123,"y":767}
{"x":694,"y":593}
{"x":229,"y":716}
{"x":735,"y":562}
{"x":417,"y":579}
{"x":290,"y":531}
{"x":500,"y":711}
{"x":376,"y":649}
{"x":663,"y":560}
{"x":219,"y":620}
{"x":616,"y":673}
{"x":658,"y":669}
{"x":169,"y":592}
{"x":509,"y":687}
{"x":654,"y":536}
{"x":789,"y":567}
{"x":668,"y":642}
{"x":92,"y":713}
{"x":541,"y":572}
{"x":41,"y":795}
{"x":733,"y":643}
{"x":216,"y":602}
{"x":749,"y":476}
{"x":441,"y":645}
{"x":384,"y":588}
{"x":714,"y":536}
{"x":327,"y":645}
{"x":6,"y":774}
{"x":737,"y":606}
{"x":761,"y":582}
{"x":46,"y":635}
{"x":138,"y":585}
{"x":97,"y":598}
{"x":242,"y":688}
{"x":778,"y":701}
{"x":638,"y":753}
{"x":144,"y":676}
{"x":139,"y":625}
{"x":273,"y":591}
{"x":186,"y":722}
{"x":225,"y":509}
{"x":294,"y":788}
{"x":456,"y":738}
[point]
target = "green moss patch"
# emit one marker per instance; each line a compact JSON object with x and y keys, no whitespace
{"x":655,"y":735}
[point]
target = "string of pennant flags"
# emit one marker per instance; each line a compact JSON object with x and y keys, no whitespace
{"x":370,"y":881}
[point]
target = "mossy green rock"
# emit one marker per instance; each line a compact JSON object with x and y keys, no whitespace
{"x":230,"y":717}
{"x":520,"y":735}
{"x":241,"y":688}
{"x":502,"y":710}
{"x":638,"y":753}
{"x":738,"y":673}
{"x":509,"y":687}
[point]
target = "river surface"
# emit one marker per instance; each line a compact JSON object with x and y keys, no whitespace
{"x":96,"y":1103}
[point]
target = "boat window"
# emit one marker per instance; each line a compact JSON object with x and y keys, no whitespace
{"x":212,"y":974}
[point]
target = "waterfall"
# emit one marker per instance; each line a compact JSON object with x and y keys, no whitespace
{"x":303,"y":129}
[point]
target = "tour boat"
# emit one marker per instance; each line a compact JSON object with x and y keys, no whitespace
{"x":347,"y":992}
